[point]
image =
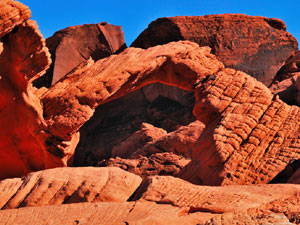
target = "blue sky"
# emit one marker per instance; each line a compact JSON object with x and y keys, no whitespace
{"x":134,"y":16}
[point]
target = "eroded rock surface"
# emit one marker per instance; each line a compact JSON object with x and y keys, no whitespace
{"x":23,"y":58}
{"x":165,"y":163}
{"x":249,"y":136}
{"x":71,"y":46}
{"x":107,"y":213}
{"x":287,"y":82}
{"x":71,"y":102}
{"x":126,"y":124}
{"x":68,"y":185}
{"x":174,"y":191}
{"x":256,"y":45}
{"x":163,"y":199}
{"x":12,"y":13}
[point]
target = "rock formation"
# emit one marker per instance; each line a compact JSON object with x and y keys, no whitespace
{"x":158,"y":200}
{"x":239,"y":113}
{"x":165,"y":163}
{"x":71,"y":46}
{"x":23,"y":58}
{"x":286,"y":82}
{"x":256,"y":45}
{"x":239,"y":133}
{"x":248,"y":135}
{"x":71,"y":102}
{"x":68,"y":185}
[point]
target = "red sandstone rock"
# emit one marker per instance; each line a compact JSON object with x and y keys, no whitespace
{"x":133,"y":213}
{"x":139,"y":139}
{"x":246,"y":135}
{"x":163,"y":200}
{"x":71,"y":102}
{"x":71,"y":46}
{"x":106,"y":213}
{"x":114,"y":124}
{"x":68,"y":185}
{"x":12,"y":13}
{"x":286,"y":82}
{"x":290,"y":68}
{"x":165,"y":163}
{"x":181,"y":141}
{"x":256,"y":45}
{"x":174,"y":191}
{"x":23,"y":58}
{"x":247,"y":131}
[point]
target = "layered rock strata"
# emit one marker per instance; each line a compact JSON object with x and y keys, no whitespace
{"x":113,"y":196}
{"x":68,"y":185}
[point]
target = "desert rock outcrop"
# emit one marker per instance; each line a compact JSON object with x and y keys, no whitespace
{"x":256,"y":45}
{"x":138,"y":105}
{"x":248,"y":135}
{"x":138,"y":119}
{"x":287,"y":82}
{"x":23,"y":58}
{"x":159,"y":200}
{"x":71,"y":102}
{"x":71,"y":46}
{"x":68,"y":185}
{"x":12,"y":13}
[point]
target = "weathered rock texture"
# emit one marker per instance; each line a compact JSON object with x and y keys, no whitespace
{"x":250,"y":136}
{"x":174,"y":191}
{"x":71,"y":102}
{"x":134,"y":213}
{"x":71,"y":46}
{"x":165,"y":155}
{"x":68,"y":185}
{"x":122,"y":126}
{"x":159,"y":200}
{"x":286,"y":82}
{"x":23,"y":57}
{"x":107,"y":213}
{"x":256,"y":45}
{"x":165,"y":163}
{"x":12,"y":13}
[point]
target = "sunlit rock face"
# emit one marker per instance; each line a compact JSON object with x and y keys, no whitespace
{"x":71,"y":46}
{"x":200,"y":142}
{"x":23,"y":58}
{"x":287,"y":82}
{"x":253,"y":44}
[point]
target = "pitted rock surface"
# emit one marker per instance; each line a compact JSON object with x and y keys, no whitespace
{"x":68,"y":185}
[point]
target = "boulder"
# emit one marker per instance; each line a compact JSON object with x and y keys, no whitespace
{"x":180,"y":142}
{"x":286,"y":83}
{"x":120,"y":127}
{"x":68,"y":185}
{"x":174,"y":191}
{"x":71,"y":46}
{"x":155,"y":163}
{"x":253,"y":44}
